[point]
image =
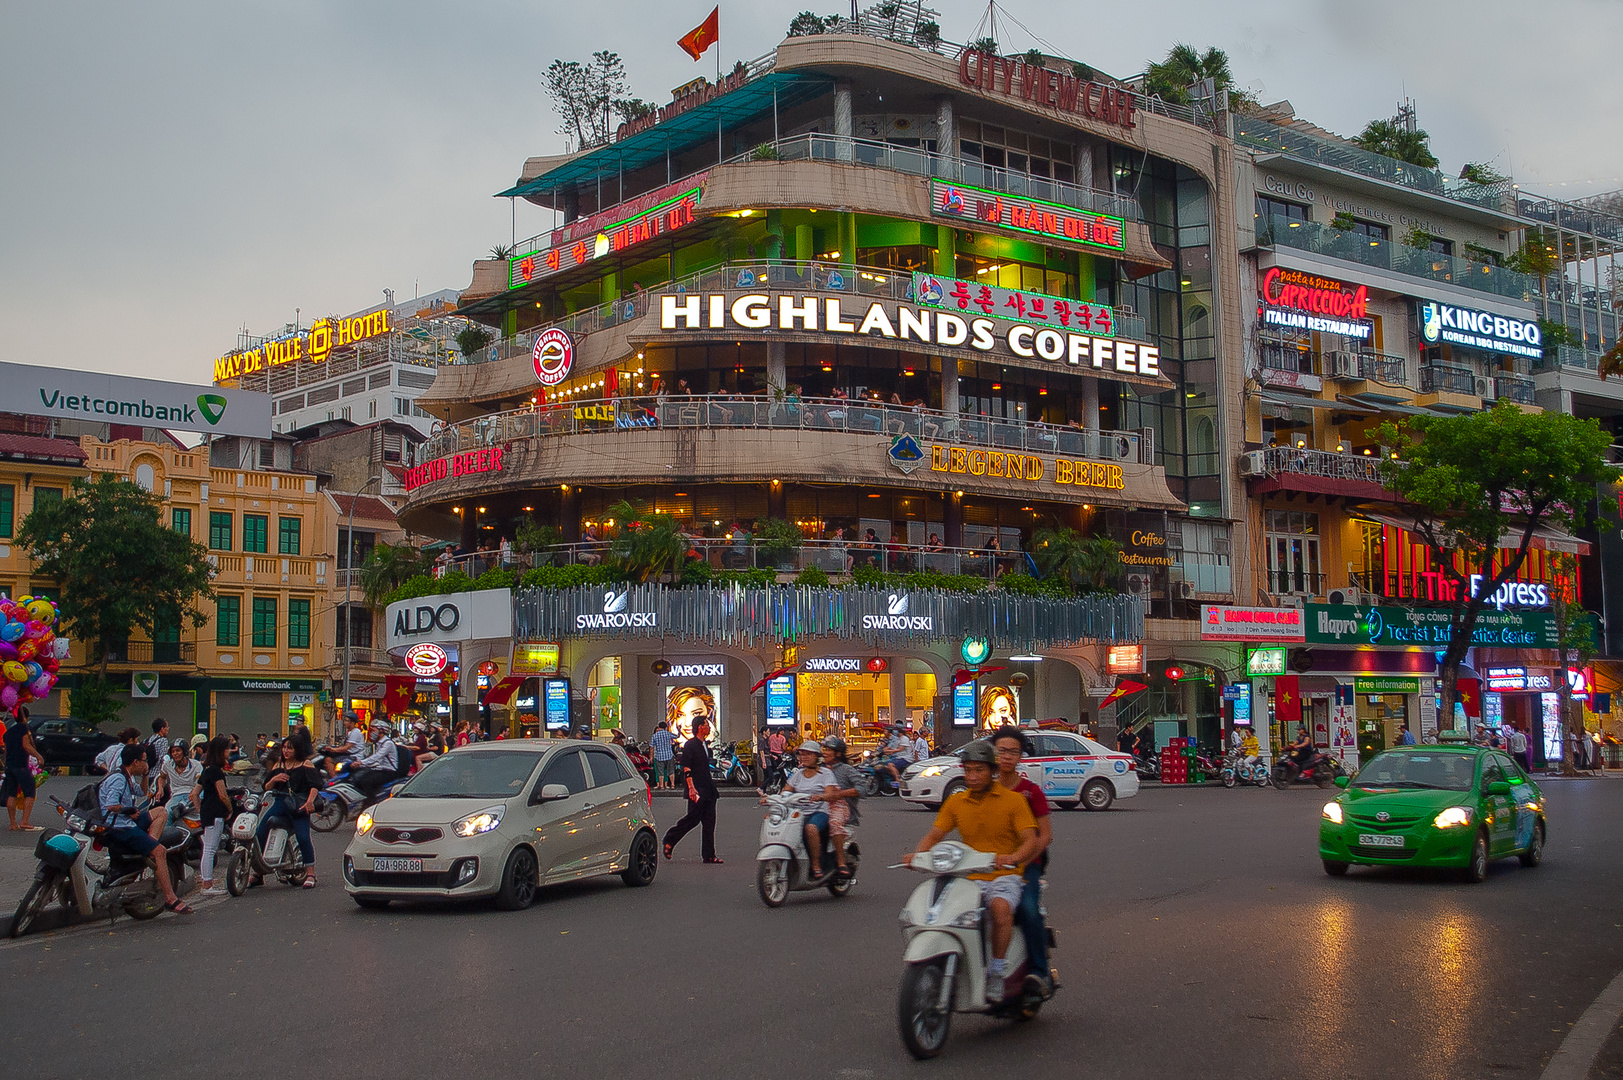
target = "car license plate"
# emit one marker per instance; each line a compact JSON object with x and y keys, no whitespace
{"x":1380,"y":840}
{"x":398,"y":866}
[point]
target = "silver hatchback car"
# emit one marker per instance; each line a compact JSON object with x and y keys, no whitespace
{"x":502,"y":819}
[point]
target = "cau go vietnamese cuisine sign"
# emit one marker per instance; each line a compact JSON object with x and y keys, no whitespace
{"x":1048,"y":220}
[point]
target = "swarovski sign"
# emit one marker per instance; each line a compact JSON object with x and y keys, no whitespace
{"x":451,"y":617}
{"x":617,"y":614}
{"x":896,"y":616}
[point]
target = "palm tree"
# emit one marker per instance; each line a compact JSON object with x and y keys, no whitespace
{"x":1171,"y":78}
{"x":648,"y":545}
{"x":1389,"y":139}
{"x":1090,"y":563}
{"x":385,"y":568}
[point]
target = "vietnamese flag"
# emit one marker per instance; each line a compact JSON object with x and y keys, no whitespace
{"x":1288,"y":699}
{"x":1126,"y":687}
{"x":398,"y":693}
{"x":702,"y":36}
{"x":1470,"y":695}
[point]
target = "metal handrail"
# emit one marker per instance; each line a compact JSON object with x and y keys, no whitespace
{"x":734,"y":412}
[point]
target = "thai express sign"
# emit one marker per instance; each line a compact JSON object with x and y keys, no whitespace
{"x":1012,"y":304}
{"x":1297,"y":301}
{"x":622,"y":227}
{"x":1013,"y":78}
{"x":315,"y":346}
{"x":1348,"y":624}
{"x":1048,"y":220}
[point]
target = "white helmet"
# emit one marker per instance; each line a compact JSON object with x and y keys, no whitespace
{"x":811,"y":746}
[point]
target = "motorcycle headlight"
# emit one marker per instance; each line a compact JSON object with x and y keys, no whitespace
{"x":480,"y":822}
{"x":968,"y":919}
{"x":363,"y":824}
{"x":774,"y":814}
{"x":944,"y":857}
{"x":1332,"y":812}
{"x":1453,"y":817}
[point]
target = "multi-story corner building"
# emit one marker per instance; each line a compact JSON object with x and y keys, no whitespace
{"x":365,"y":367}
{"x":258,"y":659}
{"x":921,"y":306}
{"x":1381,"y":293}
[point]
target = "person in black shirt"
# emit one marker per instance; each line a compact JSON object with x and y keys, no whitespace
{"x":18,"y":786}
{"x":1127,"y":741}
{"x":701,"y":790}
{"x":215,"y":806}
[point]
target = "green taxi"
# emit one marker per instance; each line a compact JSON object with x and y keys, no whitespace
{"x":1440,"y":806}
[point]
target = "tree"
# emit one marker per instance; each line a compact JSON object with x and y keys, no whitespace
{"x":117,"y":567}
{"x":1575,"y":641}
{"x":501,"y":251}
{"x":1390,"y":139}
{"x":1469,"y":481}
{"x":1090,"y":563}
{"x":1183,"y":67}
{"x":472,"y":339}
{"x":647,"y":545}
{"x":807,"y":23}
{"x":585,"y":94}
{"x":1612,"y":362}
{"x":385,"y":568}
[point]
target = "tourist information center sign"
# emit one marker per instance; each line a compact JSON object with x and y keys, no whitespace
{"x":1347,"y":624}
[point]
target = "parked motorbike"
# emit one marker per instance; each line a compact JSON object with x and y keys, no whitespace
{"x":1149,"y":766}
{"x":944,"y":926}
{"x":79,"y":872}
{"x":776,"y":774}
{"x":641,"y":760}
{"x":280,"y":857}
{"x":341,"y":800}
{"x":728,"y":767}
{"x":1321,"y":769}
{"x":783,"y":865}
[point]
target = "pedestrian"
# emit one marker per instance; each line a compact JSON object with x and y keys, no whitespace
{"x":663,"y":744}
{"x":159,"y":743}
{"x":776,"y":743}
{"x":701,"y":792}
{"x":107,"y":762}
{"x":19,"y":780}
{"x":1516,"y":743}
{"x":461,"y":736}
{"x":1405,"y":736}
{"x":506,"y":553}
{"x":216,"y":808}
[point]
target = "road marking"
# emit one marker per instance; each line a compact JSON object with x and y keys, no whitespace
{"x":102,"y":923}
{"x":1583,"y":1043}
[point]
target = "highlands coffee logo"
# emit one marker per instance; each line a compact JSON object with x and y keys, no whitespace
{"x":897,"y":617}
{"x":615,"y":616}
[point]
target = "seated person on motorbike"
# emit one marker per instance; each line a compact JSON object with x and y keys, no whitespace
{"x":813,"y":780}
{"x":1301,"y":748}
{"x":293,"y":784}
{"x":178,"y":778}
{"x":843,"y":816}
{"x":992,"y":819}
{"x":352,"y":749}
{"x":378,"y":767}
{"x":1010,"y":744}
{"x":897,"y":755}
{"x":132,"y":829}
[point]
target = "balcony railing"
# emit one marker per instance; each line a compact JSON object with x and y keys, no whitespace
{"x":1384,"y":368}
{"x":1510,"y":389}
{"x":722,"y":411}
{"x":359,"y":656}
{"x":153,"y":652}
{"x":1399,"y":258}
{"x":875,"y":282}
{"x":1435,"y":378}
{"x":1278,"y":460}
{"x":1261,"y":135}
{"x":1293,"y":583}
{"x":834,"y":557}
{"x":1569,"y":356}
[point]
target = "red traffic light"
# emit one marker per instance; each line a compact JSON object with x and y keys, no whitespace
{"x":878,"y":664}
{"x":1174,"y":673}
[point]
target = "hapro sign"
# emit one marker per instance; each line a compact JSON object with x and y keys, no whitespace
{"x":1479,"y":330}
{"x":119,"y":399}
{"x":451,"y":617}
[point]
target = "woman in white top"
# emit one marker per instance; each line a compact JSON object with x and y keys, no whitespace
{"x":813,"y":778}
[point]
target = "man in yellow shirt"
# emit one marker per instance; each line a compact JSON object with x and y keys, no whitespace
{"x":992,"y":819}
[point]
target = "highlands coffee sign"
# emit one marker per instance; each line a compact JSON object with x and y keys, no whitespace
{"x":1014,"y":78}
{"x":1293,"y":300}
{"x":841,"y":317}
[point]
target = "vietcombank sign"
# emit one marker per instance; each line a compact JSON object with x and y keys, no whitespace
{"x":119,"y":399}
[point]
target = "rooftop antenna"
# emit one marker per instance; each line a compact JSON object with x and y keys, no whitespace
{"x":1406,"y":116}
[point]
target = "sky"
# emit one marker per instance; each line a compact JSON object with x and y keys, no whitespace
{"x":173,"y":172}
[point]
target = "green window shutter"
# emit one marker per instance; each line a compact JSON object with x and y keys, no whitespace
{"x":220,"y":530}
{"x":228,"y":621}
{"x":256,"y":533}
{"x":298,"y":624}
{"x":264,"y":622}
{"x":287,"y":535}
{"x":181,"y":521}
{"x":8,"y":509}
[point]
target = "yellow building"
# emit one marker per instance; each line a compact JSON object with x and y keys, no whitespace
{"x":259,"y":657}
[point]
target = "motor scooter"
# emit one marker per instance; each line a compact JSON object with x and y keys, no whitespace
{"x":1321,"y":769}
{"x":946,"y":929}
{"x":79,"y":872}
{"x":782,"y":864}
{"x":279,"y":858}
{"x":342,"y":800}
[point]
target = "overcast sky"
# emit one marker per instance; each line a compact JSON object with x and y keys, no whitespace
{"x":171,"y":172}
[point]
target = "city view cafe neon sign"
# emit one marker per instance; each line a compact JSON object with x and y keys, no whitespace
{"x":828,"y":315}
{"x":1293,"y":300}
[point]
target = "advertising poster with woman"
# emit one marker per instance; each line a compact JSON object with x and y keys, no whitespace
{"x":998,"y":708}
{"x":686,"y":705}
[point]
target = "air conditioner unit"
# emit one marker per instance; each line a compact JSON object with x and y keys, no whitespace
{"x":1343,"y":364}
{"x":1484,"y":388}
{"x":1138,"y":584}
{"x":1290,"y":601}
{"x":1352,"y":594}
{"x":1183,"y":590}
{"x":1254,"y":463}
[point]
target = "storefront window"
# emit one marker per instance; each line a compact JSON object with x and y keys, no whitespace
{"x":603,"y":692}
{"x":1201,"y":549}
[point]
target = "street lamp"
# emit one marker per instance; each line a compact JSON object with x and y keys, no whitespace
{"x":349,"y":582}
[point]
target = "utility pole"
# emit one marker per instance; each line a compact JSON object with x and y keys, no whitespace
{"x":349,"y":582}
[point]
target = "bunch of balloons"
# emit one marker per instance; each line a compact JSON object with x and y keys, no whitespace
{"x":30,"y":651}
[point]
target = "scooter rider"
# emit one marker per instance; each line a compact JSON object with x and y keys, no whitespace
{"x":993,"y":820}
{"x":352,"y":749}
{"x":813,"y":780}
{"x":1010,"y":744}
{"x":843,"y":815}
{"x":380,"y":766}
{"x":898,"y":754}
{"x":133,"y":829}
{"x":1301,"y":748}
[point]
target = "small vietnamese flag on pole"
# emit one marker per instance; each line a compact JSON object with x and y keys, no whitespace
{"x":1128,"y":686}
{"x":1470,"y":695}
{"x":702,"y":36}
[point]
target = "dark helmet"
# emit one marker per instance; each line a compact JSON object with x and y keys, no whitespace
{"x":980,"y":750}
{"x":836,"y":744}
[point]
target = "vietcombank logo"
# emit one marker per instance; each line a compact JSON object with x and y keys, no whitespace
{"x":212,"y":406}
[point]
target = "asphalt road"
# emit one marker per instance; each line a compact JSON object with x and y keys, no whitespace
{"x":1198,"y":938}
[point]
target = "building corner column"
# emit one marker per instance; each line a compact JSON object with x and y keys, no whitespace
{"x":844,"y":121}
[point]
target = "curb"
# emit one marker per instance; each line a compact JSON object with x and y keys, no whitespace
{"x":1578,"y":1051}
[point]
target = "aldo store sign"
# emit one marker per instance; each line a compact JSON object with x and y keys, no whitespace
{"x":466,"y":616}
